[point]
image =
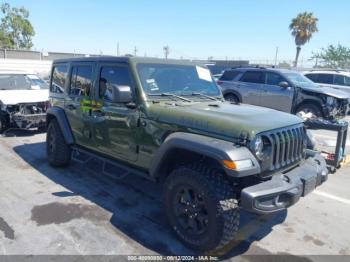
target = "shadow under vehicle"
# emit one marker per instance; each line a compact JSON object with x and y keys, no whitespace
{"x":136,"y":205}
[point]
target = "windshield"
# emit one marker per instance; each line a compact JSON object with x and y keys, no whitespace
{"x":37,"y":83}
{"x":21,"y":82}
{"x":157,"y":79}
{"x":299,"y":80}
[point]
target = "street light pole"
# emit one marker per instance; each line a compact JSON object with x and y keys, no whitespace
{"x":276,"y":56}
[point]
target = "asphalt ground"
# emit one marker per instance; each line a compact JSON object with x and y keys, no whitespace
{"x":77,"y":211}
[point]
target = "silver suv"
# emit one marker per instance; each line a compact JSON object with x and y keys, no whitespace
{"x":337,"y":79}
{"x":283,"y":90}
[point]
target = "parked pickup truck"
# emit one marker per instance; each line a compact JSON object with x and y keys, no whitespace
{"x":23,"y":100}
{"x":167,"y":120}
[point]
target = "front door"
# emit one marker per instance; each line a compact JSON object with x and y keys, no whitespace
{"x":78,"y":103}
{"x":114,"y":125}
{"x":274,"y":96}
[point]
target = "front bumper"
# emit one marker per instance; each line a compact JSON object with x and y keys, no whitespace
{"x":29,"y":121}
{"x":284,"y":190}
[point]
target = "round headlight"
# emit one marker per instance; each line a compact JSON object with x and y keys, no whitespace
{"x":258,"y":147}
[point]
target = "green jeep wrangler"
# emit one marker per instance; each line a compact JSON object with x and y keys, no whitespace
{"x":167,"y":120}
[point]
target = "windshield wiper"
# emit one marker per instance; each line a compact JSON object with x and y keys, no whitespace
{"x":203,"y":95}
{"x":171,"y":95}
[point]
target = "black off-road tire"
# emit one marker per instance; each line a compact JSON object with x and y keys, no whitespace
{"x":3,"y":123}
{"x":232,"y":98}
{"x":312,"y":108}
{"x":219,"y":197}
{"x":59,"y":153}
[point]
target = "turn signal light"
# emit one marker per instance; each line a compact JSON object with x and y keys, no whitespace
{"x":238,"y":165}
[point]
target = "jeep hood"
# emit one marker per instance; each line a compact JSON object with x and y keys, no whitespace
{"x":222,"y":119}
{"x":13,"y":97}
{"x":327,"y":91}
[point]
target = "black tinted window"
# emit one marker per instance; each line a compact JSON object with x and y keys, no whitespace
{"x":339,"y":80}
{"x":325,"y":79}
{"x":312,"y":77}
{"x":253,"y":77}
{"x":81,"y":81}
{"x":229,"y":75}
{"x":59,"y":76}
{"x":111,"y":76}
{"x":274,"y":79}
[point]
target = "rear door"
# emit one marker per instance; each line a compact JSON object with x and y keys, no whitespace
{"x":274,"y":96}
{"x":78,"y":103}
{"x":250,"y":86}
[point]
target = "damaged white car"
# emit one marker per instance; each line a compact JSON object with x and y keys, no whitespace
{"x":23,"y":100}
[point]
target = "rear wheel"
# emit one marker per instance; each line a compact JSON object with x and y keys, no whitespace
{"x":232,"y":98}
{"x":310,"y":108}
{"x":58,"y":151}
{"x":201,"y":207}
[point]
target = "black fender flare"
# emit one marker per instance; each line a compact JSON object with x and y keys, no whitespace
{"x":233,"y":92}
{"x":60,"y":116}
{"x":216,"y":149}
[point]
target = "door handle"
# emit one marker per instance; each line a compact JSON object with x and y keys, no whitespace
{"x":71,"y":107}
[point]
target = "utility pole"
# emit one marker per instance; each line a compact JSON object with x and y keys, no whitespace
{"x":166,"y":51}
{"x":117,"y":48}
{"x":276,"y":56}
{"x":135,"y":51}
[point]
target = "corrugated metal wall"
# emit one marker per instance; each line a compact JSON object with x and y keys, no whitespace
{"x":33,"y":66}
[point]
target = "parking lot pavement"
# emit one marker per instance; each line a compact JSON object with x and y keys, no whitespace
{"x":76,"y":211}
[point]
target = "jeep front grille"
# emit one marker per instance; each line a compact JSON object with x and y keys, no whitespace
{"x":286,"y":146}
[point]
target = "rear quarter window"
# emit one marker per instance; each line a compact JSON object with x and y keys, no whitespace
{"x":59,"y":78}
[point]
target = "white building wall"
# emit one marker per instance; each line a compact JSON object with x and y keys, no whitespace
{"x":33,"y":66}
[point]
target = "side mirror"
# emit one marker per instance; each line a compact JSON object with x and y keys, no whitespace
{"x":121,"y":94}
{"x":284,"y":84}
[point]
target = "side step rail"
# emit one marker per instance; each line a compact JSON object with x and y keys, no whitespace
{"x":111,"y":168}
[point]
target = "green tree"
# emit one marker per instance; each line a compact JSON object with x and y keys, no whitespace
{"x":303,"y":27}
{"x":16,"y":31}
{"x":5,"y":40}
{"x":333,"y":57}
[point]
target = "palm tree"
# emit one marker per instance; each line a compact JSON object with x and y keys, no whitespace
{"x":303,"y":27}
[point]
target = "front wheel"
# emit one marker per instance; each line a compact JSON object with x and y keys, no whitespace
{"x":201,"y":207}
{"x":3,"y":123}
{"x":314,"y":110}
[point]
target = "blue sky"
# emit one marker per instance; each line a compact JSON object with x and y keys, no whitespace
{"x":192,"y":28}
